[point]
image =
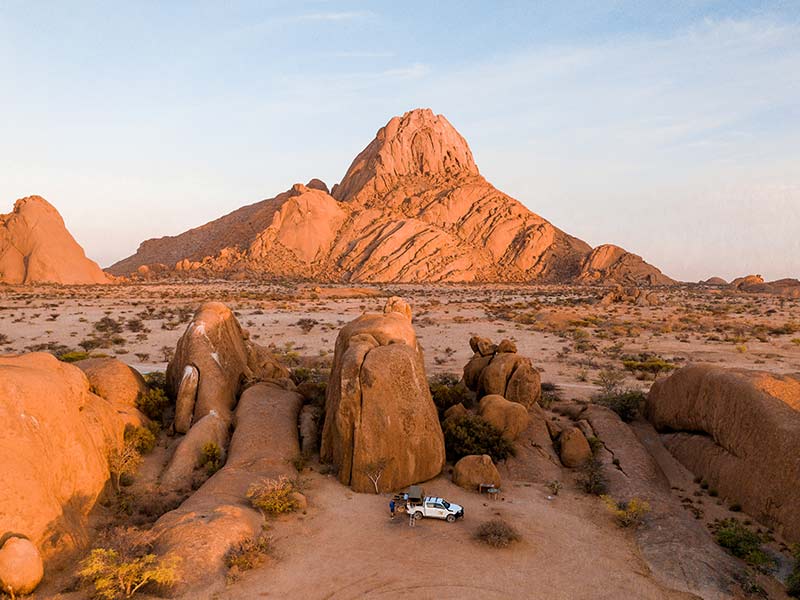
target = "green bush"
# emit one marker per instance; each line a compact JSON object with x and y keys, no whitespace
{"x":73,"y":356}
{"x":447,"y":391}
{"x":647,"y":363}
{"x":742,"y":542}
{"x":153,"y":403}
{"x":123,"y":564}
{"x":273,"y":496}
{"x":496,"y":533}
{"x":211,"y":457}
{"x":625,"y":404}
{"x":592,"y":479}
{"x":471,"y":434}
{"x":141,"y":438}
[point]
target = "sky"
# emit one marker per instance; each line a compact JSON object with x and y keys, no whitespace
{"x":669,"y":128}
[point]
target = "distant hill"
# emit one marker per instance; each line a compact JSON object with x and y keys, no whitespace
{"x":412,"y":207}
{"x":35,"y":247}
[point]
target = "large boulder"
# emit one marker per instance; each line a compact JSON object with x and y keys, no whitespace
{"x":55,"y":439}
{"x":212,"y":360}
{"x":179,"y":472}
{"x":476,"y":469}
{"x":740,"y":431}
{"x":378,"y":404}
{"x":503,"y":372}
{"x":118,"y":383}
{"x":21,"y":567}
{"x":509,"y":417}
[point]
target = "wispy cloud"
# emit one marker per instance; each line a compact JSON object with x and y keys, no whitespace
{"x":350,"y":15}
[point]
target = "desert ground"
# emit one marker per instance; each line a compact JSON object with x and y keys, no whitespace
{"x":344,"y":545}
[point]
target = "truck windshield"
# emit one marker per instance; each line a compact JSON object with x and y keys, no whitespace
{"x":446,"y":503}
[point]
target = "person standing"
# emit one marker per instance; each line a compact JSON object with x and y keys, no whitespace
{"x":392,"y":507}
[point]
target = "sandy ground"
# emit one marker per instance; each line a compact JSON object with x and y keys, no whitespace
{"x":347,"y":547}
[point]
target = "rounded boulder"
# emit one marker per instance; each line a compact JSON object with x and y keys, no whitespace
{"x":475,"y":469}
{"x":21,"y":567}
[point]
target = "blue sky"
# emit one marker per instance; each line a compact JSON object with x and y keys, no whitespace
{"x":672,"y":129}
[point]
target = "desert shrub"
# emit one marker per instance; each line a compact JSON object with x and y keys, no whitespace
{"x":73,"y":356}
{"x":793,"y":581}
{"x":610,"y":381}
{"x":108,"y":325}
{"x":156,"y":379}
{"x":123,"y":564}
{"x":307,"y":324}
{"x":554,"y":486}
{"x":247,"y":554}
{"x":742,"y":542}
{"x":273,"y":496}
{"x":211,"y":457}
{"x":123,"y":462}
{"x":447,"y":391}
{"x":471,"y":434}
{"x":592,"y":479}
{"x":153,"y":403}
{"x":627,"y":514}
{"x":550,"y":393}
{"x":625,"y":404}
{"x":647,"y":363}
{"x":496,"y":533}
{"x":143,"y":439}
{"x":299,"y":461}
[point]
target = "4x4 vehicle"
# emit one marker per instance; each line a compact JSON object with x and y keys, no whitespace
{"x":417,"y":504}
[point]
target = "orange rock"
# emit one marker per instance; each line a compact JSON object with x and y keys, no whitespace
{"x":609,"y":263}
{"x":35,"y":247}
{"x":21,"y":567}
{"x":473,"y":470}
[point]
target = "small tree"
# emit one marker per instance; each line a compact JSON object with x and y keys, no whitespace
{"x":123,"y":461}
{"x":123,"y":563}
{"x":375,"y":470}
{"x":273,"y":496}
{"x":610,"y":381}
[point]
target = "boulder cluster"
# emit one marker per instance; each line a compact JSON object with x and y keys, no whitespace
{"x":498,"y":369}
{"x":630,"y":295}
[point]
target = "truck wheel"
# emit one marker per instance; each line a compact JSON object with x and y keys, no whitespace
{"x":418,"y":515}
{"x":451,"y":518}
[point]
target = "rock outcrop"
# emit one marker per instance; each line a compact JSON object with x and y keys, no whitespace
{"x":715,"y":281}
{"x":498,"y":369}
{"x":212,"y":360}
{"x":378,"y":404}
{"x":630,"y":295}
{"x":55,"y":439}
{"x":35,"y":247}
{"x":511,"y":418}
{"x":789,"y":288}
{"x":218,"y":515}
{"x":118,"y":383}
{"x":412,"y":207}
{"x":746,"y":281}
{"x":740,"y":431}
{"x":612,"y":264}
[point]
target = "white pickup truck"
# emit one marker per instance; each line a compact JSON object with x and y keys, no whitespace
{"x":438,"y":508}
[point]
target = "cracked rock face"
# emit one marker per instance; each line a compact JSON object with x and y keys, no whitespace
{"x":740,"y":431}
{"x":499,"y":370}
{"x":378,"y":404}
{"x":35,"y":247}
{"x":412,"y":207}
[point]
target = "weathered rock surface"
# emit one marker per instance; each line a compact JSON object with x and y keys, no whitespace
{"x":215,"y":345}
{"x":790,"y":288}
{"x":211,"y":429}
{"x":118,"y":383}
{"x":473,"y":470}
{"x":21,"y":566}
{"x":218,"y":515}
{"x":715,"y":281}
{"x":746,"y":281}
{"x":502,"y":372}
{"x":630,"y":295}
{"x":55,"y":438}
{"x":35,"y":247}
{"x":511,"y":418}
{"x":739,"y":430}
{"x":412,"y":207}
{"x":378,"y":404}
{"x":678,"y":549}
{"x":609,"y":263}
